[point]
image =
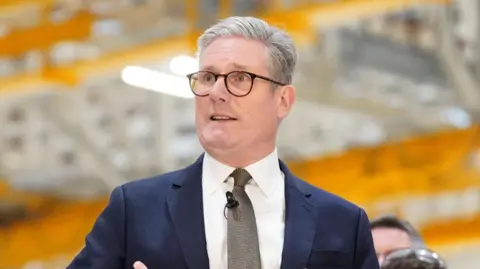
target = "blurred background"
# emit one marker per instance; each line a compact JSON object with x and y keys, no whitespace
{"x":93,"y":94}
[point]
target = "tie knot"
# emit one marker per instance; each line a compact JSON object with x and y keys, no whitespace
{"x":240,"y":177}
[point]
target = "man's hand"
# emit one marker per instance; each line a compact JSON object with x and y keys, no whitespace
{"x":139,"y":265}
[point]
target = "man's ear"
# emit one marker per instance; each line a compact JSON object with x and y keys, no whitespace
{"x":286,"y":100}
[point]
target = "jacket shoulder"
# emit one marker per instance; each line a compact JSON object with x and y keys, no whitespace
{"x":157,"y":186}
{"x":329,"y":202}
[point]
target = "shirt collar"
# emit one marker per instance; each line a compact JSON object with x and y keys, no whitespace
{"x":265,"y":173}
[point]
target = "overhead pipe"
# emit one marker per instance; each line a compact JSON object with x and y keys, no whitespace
{"x":466,"y":85}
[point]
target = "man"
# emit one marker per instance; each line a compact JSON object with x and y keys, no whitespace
{"x":188,"y":218}
{"x":391,"y":233}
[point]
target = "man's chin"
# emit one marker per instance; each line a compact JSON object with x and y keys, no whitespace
{"x":219,"y":144}
{"x":217,"y":141}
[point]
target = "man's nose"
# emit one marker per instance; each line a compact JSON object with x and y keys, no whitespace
{"x":219,"y":90}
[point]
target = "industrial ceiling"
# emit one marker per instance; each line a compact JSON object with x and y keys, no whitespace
{"x":71,"y":126}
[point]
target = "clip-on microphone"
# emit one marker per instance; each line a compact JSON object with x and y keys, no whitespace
{"x":231,"y":201}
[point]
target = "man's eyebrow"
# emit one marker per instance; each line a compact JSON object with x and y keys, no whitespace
{"x":236,"y":67}
{"x":239,"y":66}
{"x":207,"y":68}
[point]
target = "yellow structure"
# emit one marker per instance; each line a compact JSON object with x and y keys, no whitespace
{"x":415,"y":167}
{"x":299,"y":21}
{"x":44,"y":32}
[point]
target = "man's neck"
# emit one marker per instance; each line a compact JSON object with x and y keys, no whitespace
{"x":241,"y":158}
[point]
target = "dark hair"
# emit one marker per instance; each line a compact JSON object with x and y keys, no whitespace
{"x":391,"y":221}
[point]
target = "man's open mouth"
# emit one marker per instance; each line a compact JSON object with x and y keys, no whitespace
{"x":221,"y":118}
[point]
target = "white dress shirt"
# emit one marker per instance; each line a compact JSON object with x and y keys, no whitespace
{"x":267,"y":193}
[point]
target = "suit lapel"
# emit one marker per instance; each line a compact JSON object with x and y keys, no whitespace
{"x":300,"y":222}
{"x":186,"y":208}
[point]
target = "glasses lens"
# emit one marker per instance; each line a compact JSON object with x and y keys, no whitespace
{"x":201,"y":82}
{"x":239,"y":83}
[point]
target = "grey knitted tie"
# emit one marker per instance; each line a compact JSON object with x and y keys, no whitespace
{"x":243,"y":249}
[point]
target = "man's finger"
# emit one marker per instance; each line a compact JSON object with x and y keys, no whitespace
{"x":139,"y":265}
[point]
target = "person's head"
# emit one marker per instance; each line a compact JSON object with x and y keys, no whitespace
{"x":238,"y":124}
{"x":413,"y":258}
{"x":391,"y":233}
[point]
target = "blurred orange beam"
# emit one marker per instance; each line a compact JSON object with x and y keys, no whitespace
{"x":31,"y":201}
{"x":446,"y":154}
{"x":44,"y":36}
{"x":15,"y":6}
{"x":16,"y":3}
{"x":62,"y":232}
{"x":455,"y":231}
{"x":191,"y":13}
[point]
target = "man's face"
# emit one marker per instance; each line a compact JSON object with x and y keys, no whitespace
{"x":387,"y":240}
{"x":252,"y":119}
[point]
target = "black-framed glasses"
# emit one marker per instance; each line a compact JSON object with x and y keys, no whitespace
{"x":238,"y":83}
{"x":407,"y":256}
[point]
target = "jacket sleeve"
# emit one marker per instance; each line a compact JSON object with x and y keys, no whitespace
{"x":365,"y":255}
{"x":105,"y":244}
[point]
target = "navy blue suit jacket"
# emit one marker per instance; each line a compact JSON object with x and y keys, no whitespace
{"x":159,"y":221}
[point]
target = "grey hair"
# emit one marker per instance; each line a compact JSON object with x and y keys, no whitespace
{"x":283,"y":55}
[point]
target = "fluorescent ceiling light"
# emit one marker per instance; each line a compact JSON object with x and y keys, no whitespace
{"x":183,"y":65}
{"x":156,"y":81}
